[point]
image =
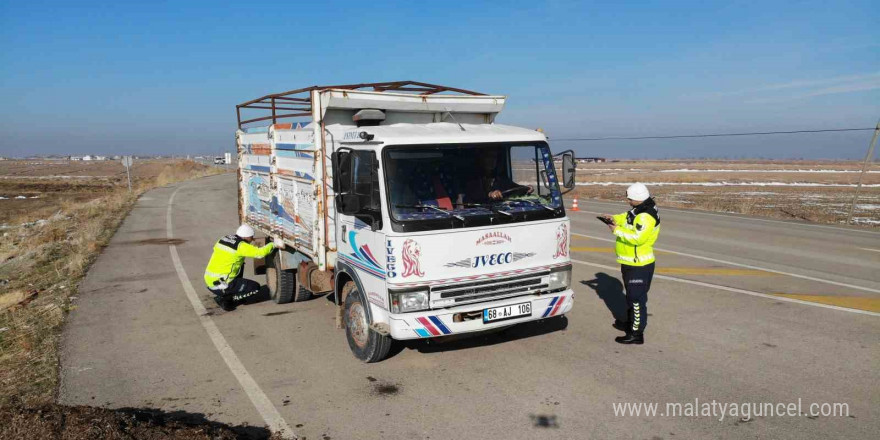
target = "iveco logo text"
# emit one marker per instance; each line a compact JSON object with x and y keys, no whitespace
{"x":492,"y":259}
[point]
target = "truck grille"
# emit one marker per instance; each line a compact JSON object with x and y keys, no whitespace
{"x":476,"y":291}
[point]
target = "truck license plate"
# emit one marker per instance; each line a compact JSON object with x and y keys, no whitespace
{"x":507,"y":312}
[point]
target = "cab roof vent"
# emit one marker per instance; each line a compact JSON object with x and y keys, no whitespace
{"x":368,"y":117}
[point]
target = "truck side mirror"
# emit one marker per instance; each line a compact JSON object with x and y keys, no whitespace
{"x":341,"y":163}
{"x":569,"y":168}
{"x":348,"y":204}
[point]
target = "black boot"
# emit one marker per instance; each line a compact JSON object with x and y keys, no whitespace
{"x":622,"y":325}
{"x":225,"y":302}
{"x":631,"y":338}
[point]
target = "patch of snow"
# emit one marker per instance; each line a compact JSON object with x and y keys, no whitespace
{"x":867,"y":206}
{"x":20,"y":197}
{"x":794,"y":184}
{"x":867,"y":221}
{"x":689,"y":170}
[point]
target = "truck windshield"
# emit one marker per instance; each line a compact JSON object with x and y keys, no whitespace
{"x":451,"y":186}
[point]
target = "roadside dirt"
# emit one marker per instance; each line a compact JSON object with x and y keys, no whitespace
{"x":86,"y":422}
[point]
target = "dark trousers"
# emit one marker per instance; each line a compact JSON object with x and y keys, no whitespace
{"x":238,"y":289}
{"x":637,"y":281}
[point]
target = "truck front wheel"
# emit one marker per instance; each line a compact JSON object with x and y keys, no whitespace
{"x":366,"y":344}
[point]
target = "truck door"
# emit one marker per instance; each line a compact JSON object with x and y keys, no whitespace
{"x":360,"y":240}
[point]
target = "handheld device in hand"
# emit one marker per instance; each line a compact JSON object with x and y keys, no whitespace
{"x":605,"y":220}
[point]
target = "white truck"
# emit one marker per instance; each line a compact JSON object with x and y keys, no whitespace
{"x":410,"y":206}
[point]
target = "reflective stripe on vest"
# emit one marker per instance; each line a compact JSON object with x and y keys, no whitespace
{"x":227,"y":249}
{"x":217,"y":275}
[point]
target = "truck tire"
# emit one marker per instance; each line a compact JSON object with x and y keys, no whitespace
{"x":365,"y":344}
{"x":282,"y":283}
{"x":302,"y":294}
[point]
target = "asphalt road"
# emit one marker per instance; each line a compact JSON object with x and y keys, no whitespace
{"x":742,"y":311}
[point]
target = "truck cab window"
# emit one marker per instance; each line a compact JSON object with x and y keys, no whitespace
{"x":445,"y":186}
{"x":365,"y":181}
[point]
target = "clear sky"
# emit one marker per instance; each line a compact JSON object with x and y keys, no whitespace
{"x":164,"y":77}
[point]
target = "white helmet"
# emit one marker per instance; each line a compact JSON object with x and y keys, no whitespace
{"x":638,"y":192}
{"x":244,"y":231}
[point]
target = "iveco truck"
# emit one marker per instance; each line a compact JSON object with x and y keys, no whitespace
{"x":408,"y":204}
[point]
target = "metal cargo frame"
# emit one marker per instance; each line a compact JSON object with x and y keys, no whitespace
{"x":299,"y":101}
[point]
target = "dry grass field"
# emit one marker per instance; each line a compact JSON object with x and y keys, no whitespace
{"x":52,"y":227}
{"x":817,"y":191}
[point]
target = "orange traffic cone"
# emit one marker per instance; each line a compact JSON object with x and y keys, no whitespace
{"x":574,"y":205}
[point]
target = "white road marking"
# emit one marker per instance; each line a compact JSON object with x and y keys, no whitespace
{"x":748,"y":266}
{"x":261,"y":402}
{"x":872,"y":250}
{"x":743,"y":217}
{"x":735,"y":290}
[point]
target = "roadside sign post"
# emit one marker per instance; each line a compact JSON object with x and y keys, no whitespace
{"x":126,"y":162}
{"x":868,"y":158}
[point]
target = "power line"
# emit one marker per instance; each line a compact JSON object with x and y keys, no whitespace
{"x":757,"y":133}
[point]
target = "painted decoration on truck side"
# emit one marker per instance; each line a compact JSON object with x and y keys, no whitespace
{"x":295,"y":163}
{"x":258,"y":199}
{"x":431,"y":326}
{"x":412,"y":252}
{"x":304,"y":220}
{"x":362,"y":257}
{"x":561,"y":241}
{"x":554,"y":306}
{"x":285,"y":210}
{"x":493,"y":238}
{"x":390,"y":260}
{"x":258,"y":149}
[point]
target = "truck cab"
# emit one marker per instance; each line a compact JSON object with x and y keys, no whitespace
{"x":430,"y":219}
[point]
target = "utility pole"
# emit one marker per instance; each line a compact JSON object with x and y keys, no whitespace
{"x":126,"y":161}
{"x":868,"y":158}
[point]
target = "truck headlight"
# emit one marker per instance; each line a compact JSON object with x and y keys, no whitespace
{"x":560,"y":279}
{"x":408,"y":301}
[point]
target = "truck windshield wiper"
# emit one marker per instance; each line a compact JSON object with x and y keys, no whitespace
{"x":489,"y":207}
{"x":431,"y":207}
{"x":533,"y":203}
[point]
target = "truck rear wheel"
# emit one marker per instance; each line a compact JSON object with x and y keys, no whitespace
{"x":282,"y":283}
{"x":365,"y":344}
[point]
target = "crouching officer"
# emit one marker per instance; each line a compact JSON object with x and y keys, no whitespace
{"x":636,"y":232}
{"x":223,"y":276}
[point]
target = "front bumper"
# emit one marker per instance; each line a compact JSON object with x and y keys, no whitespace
{"x":434,"y":323}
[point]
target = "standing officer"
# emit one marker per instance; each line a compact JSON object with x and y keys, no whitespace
{"x":636,"y":232}
{"x":224,"y":274}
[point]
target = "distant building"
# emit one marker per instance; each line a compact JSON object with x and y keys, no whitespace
{"x":100,"y":157}
{"x":87,"y":157}
{"x":590,"y":160}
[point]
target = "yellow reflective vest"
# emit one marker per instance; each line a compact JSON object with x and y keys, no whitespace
{"x":636,"y":235}
{"x":228,"y":258}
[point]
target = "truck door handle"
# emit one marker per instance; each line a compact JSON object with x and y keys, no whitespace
{"x":344,"y":228}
